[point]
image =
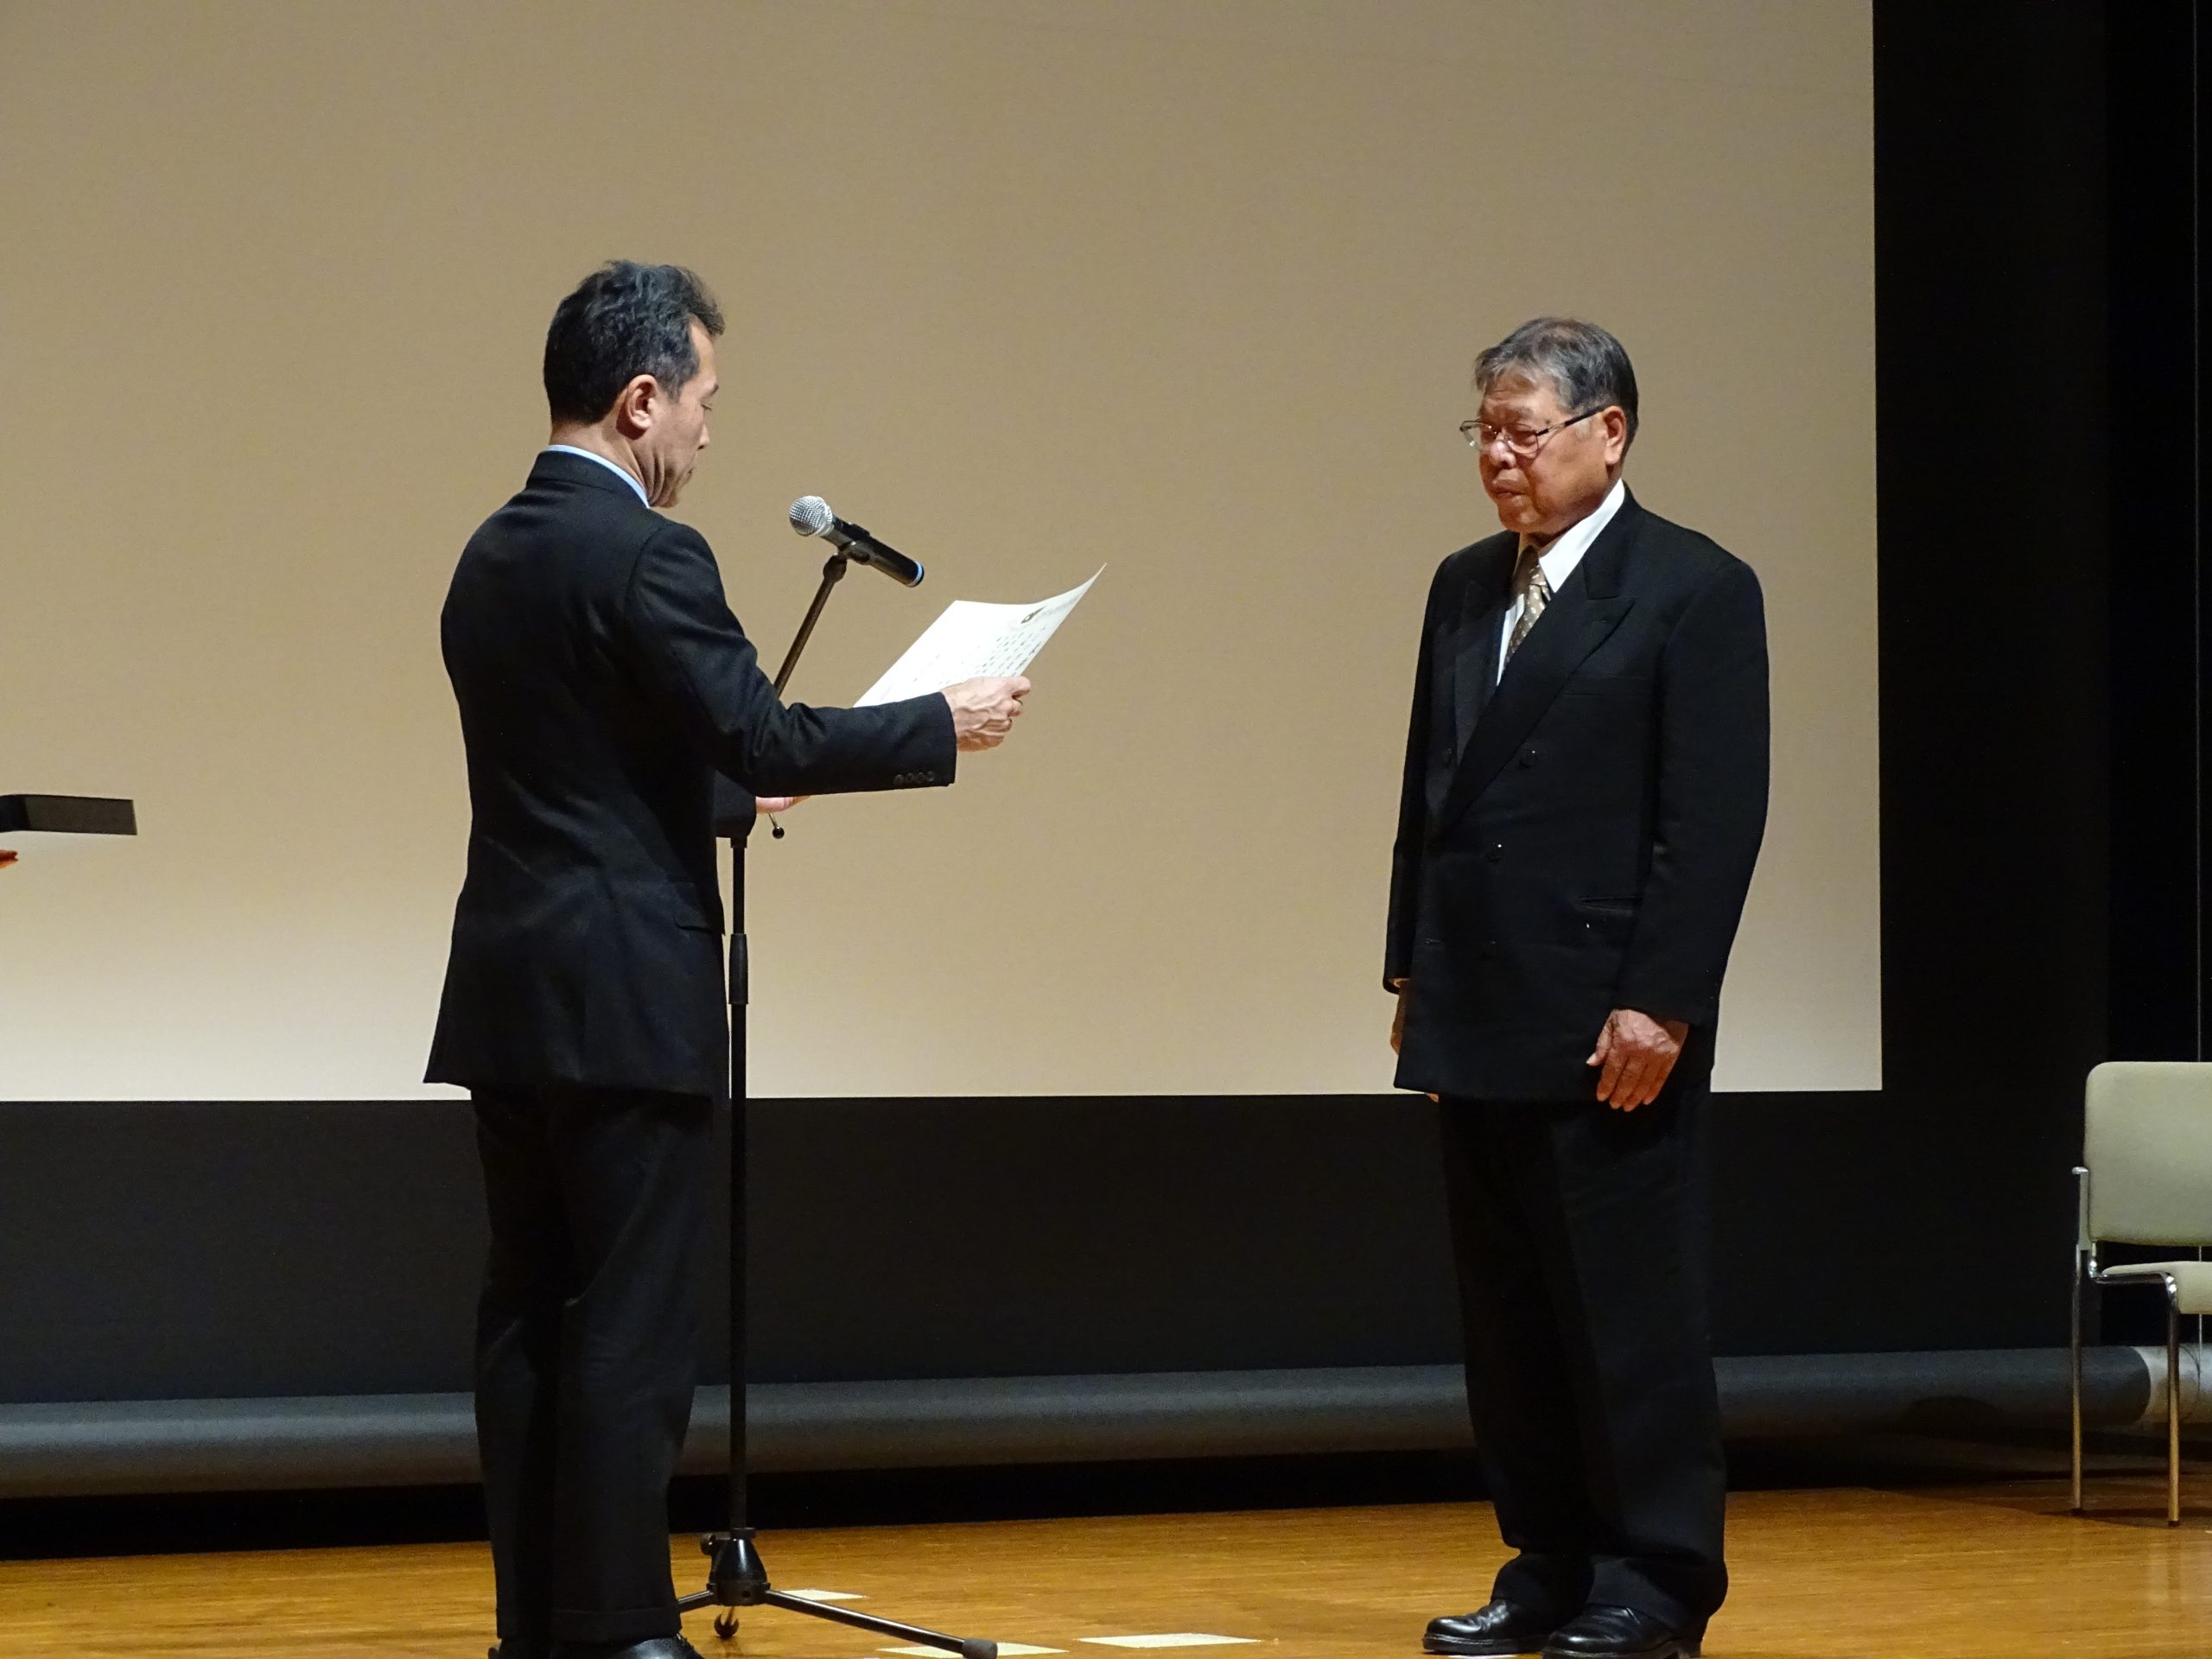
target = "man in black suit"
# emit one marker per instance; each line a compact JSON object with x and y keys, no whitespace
{"x":1584,"y":794}
{"x":603,"y":685}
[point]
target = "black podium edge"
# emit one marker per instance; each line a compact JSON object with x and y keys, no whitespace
{"x":68,"y":815}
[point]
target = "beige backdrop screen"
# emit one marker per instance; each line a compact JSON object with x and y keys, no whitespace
{"x":1187,"y":287}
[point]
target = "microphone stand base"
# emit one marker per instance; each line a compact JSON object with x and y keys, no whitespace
{"x":739,"y":1578}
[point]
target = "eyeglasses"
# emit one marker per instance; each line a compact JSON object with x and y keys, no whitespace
{"x":1519,"y":441}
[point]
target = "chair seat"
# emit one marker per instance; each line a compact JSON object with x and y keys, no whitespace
{"x":2192,"y":1281}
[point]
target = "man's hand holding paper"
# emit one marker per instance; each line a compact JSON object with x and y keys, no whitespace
{"x":983,"y":711}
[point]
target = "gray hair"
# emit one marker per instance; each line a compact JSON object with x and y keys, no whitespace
{"x":1588,"y":369}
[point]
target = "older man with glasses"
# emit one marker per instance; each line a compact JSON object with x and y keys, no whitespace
{"x":1584,"y":794}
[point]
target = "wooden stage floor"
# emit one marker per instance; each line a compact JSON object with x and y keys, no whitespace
{"x":1939,"y":1572}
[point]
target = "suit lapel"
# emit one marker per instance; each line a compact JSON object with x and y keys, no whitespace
{"x":1473,"y":659}
{"x":1578,"y":620}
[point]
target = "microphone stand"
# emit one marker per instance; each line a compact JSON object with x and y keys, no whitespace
{"x":738,"y":1577}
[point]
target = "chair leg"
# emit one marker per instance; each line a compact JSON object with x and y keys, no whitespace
{"x":2073,"y":1364}
{"x":2173,"y":1413}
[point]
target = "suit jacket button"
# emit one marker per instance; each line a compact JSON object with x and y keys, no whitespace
{"x":1494,"y":851}
{"x":1528,"y":757}
{"x":1444,"y":755}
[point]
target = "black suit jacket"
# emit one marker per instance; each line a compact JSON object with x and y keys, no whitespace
{"x":1579,"y":837}
{"x":602,"y":683}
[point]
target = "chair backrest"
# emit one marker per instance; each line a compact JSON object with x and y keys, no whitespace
{"x":2147,"y":1142}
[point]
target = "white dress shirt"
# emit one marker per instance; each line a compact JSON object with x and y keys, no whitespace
{"x":631,"y":478}
{"x":1558,"y":561}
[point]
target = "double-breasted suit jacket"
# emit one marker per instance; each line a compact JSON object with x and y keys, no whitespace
{"x":1577,"y":835}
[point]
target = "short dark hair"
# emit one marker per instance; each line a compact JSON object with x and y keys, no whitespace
{"x":623,"y":321}
{"x":1586,"y":366}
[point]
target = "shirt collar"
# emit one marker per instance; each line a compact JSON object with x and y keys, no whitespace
{"x":622,"y":472}
{"x":1558,"y":561}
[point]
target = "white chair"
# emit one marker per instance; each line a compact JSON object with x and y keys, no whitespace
{"x":2146,"y":1141}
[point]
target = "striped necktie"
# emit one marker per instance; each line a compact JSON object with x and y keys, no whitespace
{"x":1533,"y":592}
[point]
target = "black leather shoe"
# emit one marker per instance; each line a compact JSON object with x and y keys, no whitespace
{"x":658,"y":1646}
{"x":1618,"y":1633}
{"x":1497,"y":1630}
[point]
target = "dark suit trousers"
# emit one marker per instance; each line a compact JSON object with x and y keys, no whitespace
{"x":1580,"y":1234}
{"x":587,"y":1339}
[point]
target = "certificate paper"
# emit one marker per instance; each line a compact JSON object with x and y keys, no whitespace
{"x":971,"y":641}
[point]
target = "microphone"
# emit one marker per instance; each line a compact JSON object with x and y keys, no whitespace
{"x":810,"y":515}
